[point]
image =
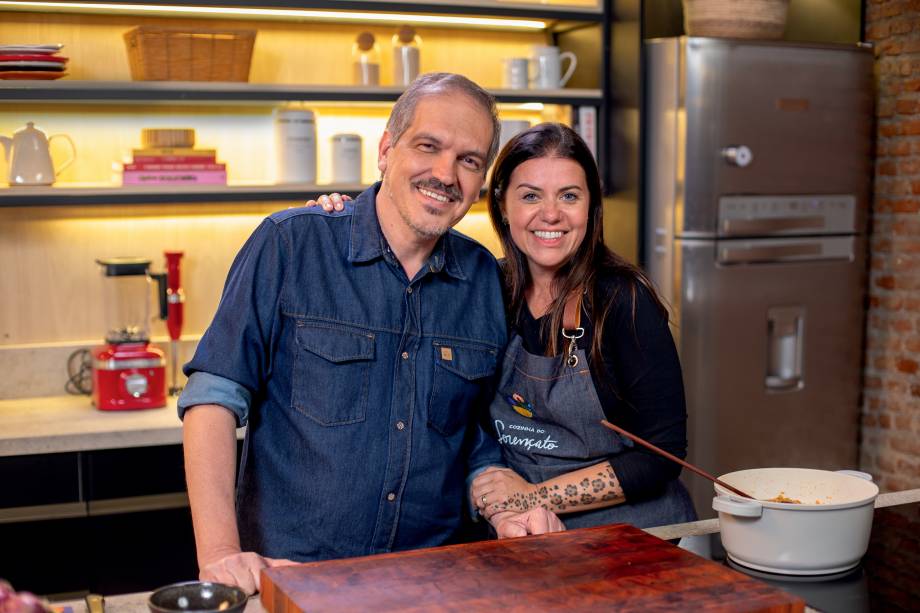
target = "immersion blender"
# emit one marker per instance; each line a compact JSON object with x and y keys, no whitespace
{"x":175,"y":298}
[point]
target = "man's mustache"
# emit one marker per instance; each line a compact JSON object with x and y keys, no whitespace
{"x":452,"y":191}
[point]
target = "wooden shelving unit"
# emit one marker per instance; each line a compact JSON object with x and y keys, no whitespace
{"x":558,"y":19}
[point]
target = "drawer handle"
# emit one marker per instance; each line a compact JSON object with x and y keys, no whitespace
{"x":64,"y":510}
{"x":766,"y":225}
{"x":132,"y":504}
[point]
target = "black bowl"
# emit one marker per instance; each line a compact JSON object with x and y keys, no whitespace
{"x":197,"y":596}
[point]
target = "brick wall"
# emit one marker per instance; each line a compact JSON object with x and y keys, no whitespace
{"x":890,"y":447}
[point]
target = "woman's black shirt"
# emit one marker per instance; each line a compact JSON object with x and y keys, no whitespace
{"x":639,"y":386}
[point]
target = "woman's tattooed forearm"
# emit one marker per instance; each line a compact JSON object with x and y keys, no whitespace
{"x":602,"y":487}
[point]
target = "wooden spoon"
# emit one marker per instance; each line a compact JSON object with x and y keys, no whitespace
{"x":667,"y":455}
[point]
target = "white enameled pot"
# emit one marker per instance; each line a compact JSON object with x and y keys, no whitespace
{"x":827,"y":533}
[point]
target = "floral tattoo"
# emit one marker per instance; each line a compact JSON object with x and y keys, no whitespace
{"x":602,"y":487}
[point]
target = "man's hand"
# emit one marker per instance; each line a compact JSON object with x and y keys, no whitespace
{"x":331,"y":202}
{"x":240,"y":569}
{"x":501,"y":489}
{"x":535,"y":521}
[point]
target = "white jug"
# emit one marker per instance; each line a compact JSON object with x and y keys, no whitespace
{"x":548,"y":63}
{"x":30,"y":156}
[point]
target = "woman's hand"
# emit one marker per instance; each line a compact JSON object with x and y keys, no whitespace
{"x":501,"y":489}
{"x":509,"y":524}
{"x":330,"y":202}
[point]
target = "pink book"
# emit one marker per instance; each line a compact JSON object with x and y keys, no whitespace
{"x":191,"y":177}
{"x":174,"y":159}
{"x":173,"y":167}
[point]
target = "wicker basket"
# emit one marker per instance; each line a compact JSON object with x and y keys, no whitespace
{"x":759,"y":19}
{"x":186,"y":54}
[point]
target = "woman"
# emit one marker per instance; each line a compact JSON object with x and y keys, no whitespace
{"x":589,"y":341}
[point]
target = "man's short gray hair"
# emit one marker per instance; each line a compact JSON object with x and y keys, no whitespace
{"x":434,"y":83}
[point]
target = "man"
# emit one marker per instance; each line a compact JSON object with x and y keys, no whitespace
{"x":356,"y":347}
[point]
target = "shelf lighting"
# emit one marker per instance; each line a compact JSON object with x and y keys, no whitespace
{"x":277,"y":13}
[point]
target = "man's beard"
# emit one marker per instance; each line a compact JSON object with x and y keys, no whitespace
{"x":434,"y":230}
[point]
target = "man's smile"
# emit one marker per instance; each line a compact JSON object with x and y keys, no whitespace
{"x":434,"y":195}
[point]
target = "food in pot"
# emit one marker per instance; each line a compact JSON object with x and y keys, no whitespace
{"x":781,"y":497}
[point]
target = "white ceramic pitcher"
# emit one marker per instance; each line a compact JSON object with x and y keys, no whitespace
{"x":29,"y":154}
{"x":548,"y":65}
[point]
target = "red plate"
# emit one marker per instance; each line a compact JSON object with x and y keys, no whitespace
{"x":36,"y":75}
{"x":10,"y":57}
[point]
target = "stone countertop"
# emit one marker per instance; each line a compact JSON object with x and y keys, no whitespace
{"x":70,"y":423}
{"x":137,"y":603}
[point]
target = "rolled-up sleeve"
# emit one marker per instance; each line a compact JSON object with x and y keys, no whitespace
{"x":205,"y":388}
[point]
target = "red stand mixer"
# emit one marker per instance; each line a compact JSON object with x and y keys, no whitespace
{"x":128,"y":373}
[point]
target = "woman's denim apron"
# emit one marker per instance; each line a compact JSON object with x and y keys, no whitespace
{"x":547,"y":416}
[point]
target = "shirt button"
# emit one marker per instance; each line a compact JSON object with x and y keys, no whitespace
{"x":391,"y":496}
{"x":405,"y":355}
{"x":400,"y":425}
{"x":409,"y":290}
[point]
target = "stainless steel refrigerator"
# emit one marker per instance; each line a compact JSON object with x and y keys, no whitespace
{"x":758,"y":170}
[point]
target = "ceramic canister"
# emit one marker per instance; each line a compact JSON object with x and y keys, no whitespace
{"x":295,"y":137}
{"x":346,"y":158}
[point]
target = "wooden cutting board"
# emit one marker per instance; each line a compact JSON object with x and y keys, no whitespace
{"x":616,"y":567}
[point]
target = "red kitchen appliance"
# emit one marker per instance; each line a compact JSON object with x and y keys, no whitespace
{"x":175,"y":298}
{"x":128,"y":373}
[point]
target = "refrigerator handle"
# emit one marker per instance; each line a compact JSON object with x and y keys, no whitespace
{"x":785,"y":335}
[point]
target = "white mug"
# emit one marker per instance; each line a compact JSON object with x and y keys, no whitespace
{"x":517,"y":73}
{"x":510,"y":128}
{"x":548,"y":62}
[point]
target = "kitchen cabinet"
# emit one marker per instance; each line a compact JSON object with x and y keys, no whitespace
{"x":46,"y":480}
{"x":104,"y":520}
{"x":92,"y":500}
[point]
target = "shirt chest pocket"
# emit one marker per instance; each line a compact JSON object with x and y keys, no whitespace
{"x":332,"y":372}
{"x":460,"y":375}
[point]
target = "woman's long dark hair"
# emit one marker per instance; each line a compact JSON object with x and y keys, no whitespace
{"x":579,"y":274}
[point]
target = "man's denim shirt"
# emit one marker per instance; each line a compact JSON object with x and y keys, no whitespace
{"x":361,"y":390}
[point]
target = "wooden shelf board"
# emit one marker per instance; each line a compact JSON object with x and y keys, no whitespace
{"x":66,"y":91}
{"x":45,"y":196}
{"x":145,"y":92}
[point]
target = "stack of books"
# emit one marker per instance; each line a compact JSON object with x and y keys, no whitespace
{"x":174,"y":166}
